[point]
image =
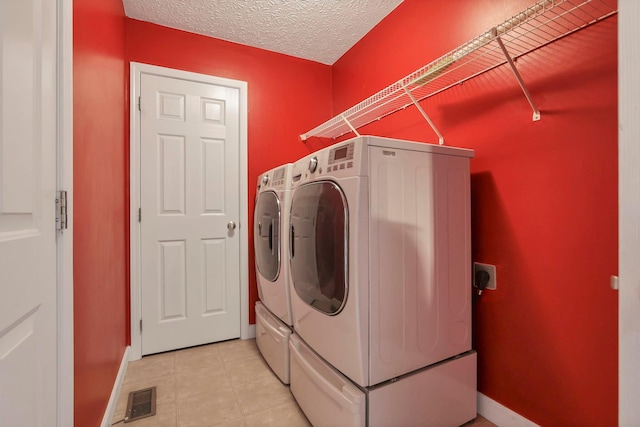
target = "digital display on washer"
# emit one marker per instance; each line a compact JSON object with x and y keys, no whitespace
{"x":278,"y":174}
{"x":341,"y":153}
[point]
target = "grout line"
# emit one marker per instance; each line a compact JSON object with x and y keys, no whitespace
{"x":175,"y":387}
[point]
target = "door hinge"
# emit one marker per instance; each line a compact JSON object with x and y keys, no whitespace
{"x":139,"y":103}
{"x":140,"y":325}
{"x":61,"y":210}
{"x":139,"y":214}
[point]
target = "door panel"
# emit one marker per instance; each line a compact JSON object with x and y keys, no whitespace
{"x":173,"y":280}
{"x":28,"y":344}
{"x":190,"y":271}
{"x":172,"y":174}
{"x":215,"y":251}
{"x":214,"y":173}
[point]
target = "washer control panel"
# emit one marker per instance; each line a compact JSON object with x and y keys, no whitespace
{"x":277,"y":179}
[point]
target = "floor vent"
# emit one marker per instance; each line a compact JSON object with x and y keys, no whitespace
{"x":141,"y":404}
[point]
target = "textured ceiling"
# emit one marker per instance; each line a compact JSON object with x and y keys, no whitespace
{"x":318,"y":30}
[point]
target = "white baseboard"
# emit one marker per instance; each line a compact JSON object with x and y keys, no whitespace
{"x":501,"y":415}
{"x":115,"y":392}
{"x":250,"y":333}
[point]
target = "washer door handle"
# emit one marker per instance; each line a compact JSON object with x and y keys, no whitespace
{"x":231,"y":226}
{"x":271,"y":237}
{"x":292,"y":242}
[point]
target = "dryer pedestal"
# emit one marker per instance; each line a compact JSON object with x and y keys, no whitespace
{"x":272,"y":338}
{"x":443,"y":394}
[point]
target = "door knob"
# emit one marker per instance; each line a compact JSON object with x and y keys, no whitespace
{"x":231,"y":226}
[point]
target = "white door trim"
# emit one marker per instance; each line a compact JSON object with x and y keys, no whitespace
{"x":629,"y":211}
{"x":134,"y":162}
{"x":64,"y":85}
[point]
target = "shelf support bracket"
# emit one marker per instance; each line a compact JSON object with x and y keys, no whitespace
{"x":424,"y":114}
{"x":350,"y":125}
{"x":536,"y":112}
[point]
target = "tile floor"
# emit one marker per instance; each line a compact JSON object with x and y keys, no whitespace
{"x":226,"y":384}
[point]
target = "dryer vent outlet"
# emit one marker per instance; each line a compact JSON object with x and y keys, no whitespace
{"x":480,"y":272}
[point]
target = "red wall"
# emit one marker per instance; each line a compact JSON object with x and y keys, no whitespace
{"x":100,"y":256}
{"x":544,"y":198}
{"x":544,"y":194}
{"x":286,"y":96}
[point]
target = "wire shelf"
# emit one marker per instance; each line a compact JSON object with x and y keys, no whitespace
{"x":534,"y":27}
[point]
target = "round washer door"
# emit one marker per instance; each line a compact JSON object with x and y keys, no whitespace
{"x":318,"y":250}
{"x":266,"y":235}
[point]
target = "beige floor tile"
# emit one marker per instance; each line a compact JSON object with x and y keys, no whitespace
{"x":209,"y":409}
{"x":234,"y":423}
{"x":166,"y":416}
{"x":480,"y":421}
{"x":165,"y":392}
{"x":246,"y":370}
{"x":288,"y":415}
{"x":196,"y":381}
{"x":238,"y":349}
{"x":198,"y":357}
{"x":263,"y":393}
{"x":151,"y":367}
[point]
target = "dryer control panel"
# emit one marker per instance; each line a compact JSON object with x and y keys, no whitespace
{"x":339,"y":161}
{"x":341,"y":157}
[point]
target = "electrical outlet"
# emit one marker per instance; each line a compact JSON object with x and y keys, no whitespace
{"x":490,"y":269}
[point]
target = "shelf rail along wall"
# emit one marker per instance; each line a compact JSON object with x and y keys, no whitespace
{"x":534,"y":27}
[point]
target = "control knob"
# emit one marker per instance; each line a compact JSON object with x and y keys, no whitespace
{"x":313,"y":164}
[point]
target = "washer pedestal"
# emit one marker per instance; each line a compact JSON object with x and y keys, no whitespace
{"x":272,"y":338}
{"x":443,"y":394}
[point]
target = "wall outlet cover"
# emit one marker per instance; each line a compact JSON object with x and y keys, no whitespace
{"x":491,"y":269}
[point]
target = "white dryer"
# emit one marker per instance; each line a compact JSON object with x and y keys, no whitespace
{"x":271,"y":245}
{"x":381,"y":271}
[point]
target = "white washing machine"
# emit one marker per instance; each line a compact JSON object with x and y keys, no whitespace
{"x":381,"y":271}
{"x":271,"y":245}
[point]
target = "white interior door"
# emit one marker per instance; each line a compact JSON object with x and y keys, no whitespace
{"x":190,"y":207}
{"x":28,"y":320}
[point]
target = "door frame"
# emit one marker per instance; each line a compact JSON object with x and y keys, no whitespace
{"x":136,"y":70}
{"x":629,"y":212}
{"x":64,"y":239}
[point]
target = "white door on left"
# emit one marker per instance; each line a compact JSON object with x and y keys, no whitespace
{"x":28,"y":340}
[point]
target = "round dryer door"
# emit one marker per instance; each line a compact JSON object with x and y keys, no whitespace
{"x":319,"y":219}
{"x":266,"y":235}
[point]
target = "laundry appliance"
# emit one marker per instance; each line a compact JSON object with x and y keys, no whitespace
{"x":380,"y":284}
{"x":271,"y":245}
